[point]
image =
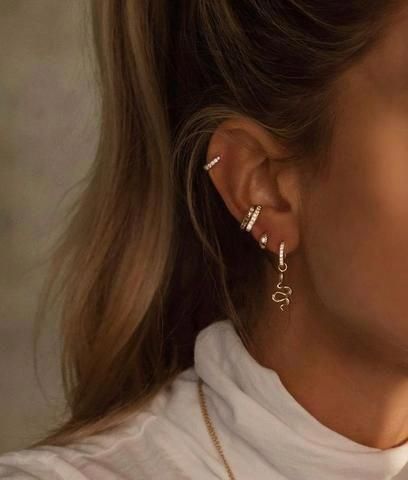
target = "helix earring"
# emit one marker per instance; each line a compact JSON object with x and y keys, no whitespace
{"x":283,"y":292}
{"x":210,"y":164}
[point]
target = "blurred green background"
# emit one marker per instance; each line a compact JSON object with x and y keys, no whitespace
{"x":48,"y":129}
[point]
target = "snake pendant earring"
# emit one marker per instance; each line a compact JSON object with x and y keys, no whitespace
{"x":283,"y":293}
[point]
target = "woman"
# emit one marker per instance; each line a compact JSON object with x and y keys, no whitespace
{"x":235,"y":272}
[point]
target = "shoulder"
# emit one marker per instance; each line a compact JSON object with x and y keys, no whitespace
{"x":155,"y":442}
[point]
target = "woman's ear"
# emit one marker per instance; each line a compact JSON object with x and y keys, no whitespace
{"x":251,"y":172}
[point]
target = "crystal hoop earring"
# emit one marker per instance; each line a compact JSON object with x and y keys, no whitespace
{"x":210,"y":164}
{"x":283,"y":293}
{"x":250,"y":218}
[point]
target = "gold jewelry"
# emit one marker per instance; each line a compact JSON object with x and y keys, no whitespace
{"x":203,"y":405}
{"x":283,"y":292}
{"x":253,"y":218}
{"x":210,"y":164}
{"x":263,"y":240}
{"x":211,"y":429}
{"x":247,"y":218}
{"x":250,"y":218}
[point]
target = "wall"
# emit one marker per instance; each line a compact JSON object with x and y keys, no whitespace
{"x":48,"y":129}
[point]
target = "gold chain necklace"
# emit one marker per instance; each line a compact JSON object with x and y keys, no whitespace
{"x":211,"y":429}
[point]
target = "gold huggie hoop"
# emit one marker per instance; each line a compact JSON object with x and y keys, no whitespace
{"x":247,"y":217}
{"x":283,"y":293}
{"x":253,"y":218}
{"x":210,"y":164}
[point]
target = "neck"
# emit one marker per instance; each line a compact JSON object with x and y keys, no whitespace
{"x":333,"y":373}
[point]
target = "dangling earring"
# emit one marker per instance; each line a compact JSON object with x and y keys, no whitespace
{"x":283,"y":292}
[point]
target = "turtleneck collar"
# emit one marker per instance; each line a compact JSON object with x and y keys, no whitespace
{"x":256,"y":406}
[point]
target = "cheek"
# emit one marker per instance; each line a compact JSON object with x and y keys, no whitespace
{"x":357,"y":231}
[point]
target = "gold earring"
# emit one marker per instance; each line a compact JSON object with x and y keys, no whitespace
{"x":250,"y":218}
{"x":283,"y":292}
{"x":263,"y":240}
{"x":210,"y":164}
{"x":253,"y":218}
{"x":245,"y":220}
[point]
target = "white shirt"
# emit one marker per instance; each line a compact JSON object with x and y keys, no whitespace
{"x":265,"y":433}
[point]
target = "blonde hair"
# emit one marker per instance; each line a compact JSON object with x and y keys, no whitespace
{"x":151,"y":255}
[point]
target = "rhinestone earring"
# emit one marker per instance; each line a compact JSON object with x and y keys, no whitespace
{"x":263,"y":240}
{"x":210,"y":164}
{"x":250,"y":218}
{"x":245,"y":220}
{"x":283,"y":293}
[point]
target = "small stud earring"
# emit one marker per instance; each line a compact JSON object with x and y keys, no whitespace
{"x":283,"y":293}
{"x":263,"y":240}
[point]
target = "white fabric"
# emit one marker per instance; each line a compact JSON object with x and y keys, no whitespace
{"x":265,"y":433}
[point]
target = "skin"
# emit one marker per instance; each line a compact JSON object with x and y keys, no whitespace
{"x":341,"y":349}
